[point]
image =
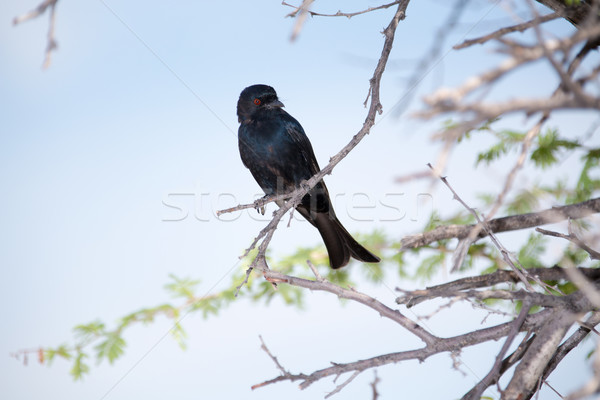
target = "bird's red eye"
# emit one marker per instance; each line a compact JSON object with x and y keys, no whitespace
{"x":257,"y":102}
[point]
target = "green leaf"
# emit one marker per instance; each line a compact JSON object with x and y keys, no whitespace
{"x":573,"y":255}
{"x":486,"y":198}
{"x":529,"y":254}
{"x":181,"y":287}
{"x":568,"y":288}
{"x":398,"y":259}
{"x":291,"y":295}
{"x":548,"y":146}
{"x":493,"y":153}
{"x":526,"y":201}
{"x":476,"y":250}
{"x":508,"y":140}
{"x":586,"y":184}
{"x":88,"y":331}
{"x":79,"y":367}
{"x":179,"y":334}
{"x":339,"y":276}
{"x":373,"y":272}
{"x":111,"y":348}
{"x":208,"y":305}
{"x":430,"y":265}
{"x":61,"y":351}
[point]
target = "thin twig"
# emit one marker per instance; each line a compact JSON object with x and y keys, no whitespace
{"x":315,"y":271}
{"x":339,"y":13}
{"x":463,"y":247}
{"x":477,"y":391}
{"x":264,"y":347}
{"x":505,"y":254}
{"x":257,"y":205}
{"x":301,"y":13}
{"x":285,"y":375}
{"x":36,"y":12}
{"x":554,"y":390}
{"x":509,"y":29}
{"x":374,"y":386}
{"x":571,"y":237}
{"x":565,"y":78}
{"x":342,"y":385}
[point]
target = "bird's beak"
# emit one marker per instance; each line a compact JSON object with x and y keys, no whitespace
{"x":276,"y":103}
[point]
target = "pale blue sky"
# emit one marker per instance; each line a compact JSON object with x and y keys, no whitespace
{"x":137,"y":109}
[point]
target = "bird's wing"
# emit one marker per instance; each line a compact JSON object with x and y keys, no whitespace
{"x":299,"y":138}
{"x":318,"y":198}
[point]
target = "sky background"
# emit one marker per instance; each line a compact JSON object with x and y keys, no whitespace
{"x":136,"y":116}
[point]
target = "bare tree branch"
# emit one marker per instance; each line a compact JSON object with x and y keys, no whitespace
{"x":343,"y":384}
{"x":374,"y":386}
{"x":504,"y":224}
{"x":540,"y":299}
{"x":285,"y":375}
{"x":339,"y":13}
{"x":569,"y":344}
{"x":412,"y":298}
{"x":301,"y":13}
{"x":36,"y":12}
{"x":571,"y":237}
{"x":460,"y":99}
{"x":506,"y":30}
{"x":477,"y":391}
{"x":548,"y":323}
{"x":350,"y":294}
{"x":442,"y":345}
{"x":530,"y":369}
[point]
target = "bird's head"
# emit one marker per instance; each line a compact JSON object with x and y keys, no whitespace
{"x":255,"y":98}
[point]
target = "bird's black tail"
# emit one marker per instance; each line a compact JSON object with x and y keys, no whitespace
{"x":339,"y":243}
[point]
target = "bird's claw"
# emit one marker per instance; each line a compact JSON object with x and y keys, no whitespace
{"x":260,"y":204}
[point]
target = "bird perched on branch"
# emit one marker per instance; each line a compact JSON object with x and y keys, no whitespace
{"x":275,"y":149}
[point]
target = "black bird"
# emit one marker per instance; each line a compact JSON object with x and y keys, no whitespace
{"x":275,"y":149}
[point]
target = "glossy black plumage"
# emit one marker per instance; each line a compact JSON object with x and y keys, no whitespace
{"x":274,"y":147}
